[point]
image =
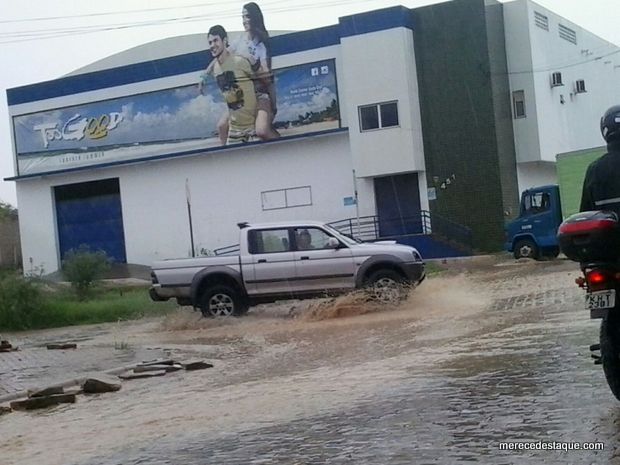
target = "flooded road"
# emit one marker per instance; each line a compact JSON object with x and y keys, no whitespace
{"x":474,"y":358}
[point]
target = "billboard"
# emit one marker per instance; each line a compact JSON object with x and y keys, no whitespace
{"x":169,"y":121}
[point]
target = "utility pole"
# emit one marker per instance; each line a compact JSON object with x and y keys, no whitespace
{"x":357,"y":204}
{"x":188,"y":197}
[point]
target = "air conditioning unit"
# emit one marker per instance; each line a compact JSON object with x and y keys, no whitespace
{"x":556,"y":79}
{"x":580,"y":86}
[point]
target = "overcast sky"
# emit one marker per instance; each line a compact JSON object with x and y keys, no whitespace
{"x":59,"y":36}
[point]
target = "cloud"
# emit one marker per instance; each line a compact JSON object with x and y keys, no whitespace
{"x":291,"y":109}
{"x":196,"y":117}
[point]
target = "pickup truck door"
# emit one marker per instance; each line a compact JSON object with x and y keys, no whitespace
{"x":272,"y":262}
{"x":318,"y":266}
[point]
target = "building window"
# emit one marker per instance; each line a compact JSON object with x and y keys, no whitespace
{"x":286,"y":198}
{"x":567,"y":34}
{"x":379,"y":115}
{"x":556,"y":79}
{"x":541,"y":21}
{"x":580,"y":86}
{"x":518,"y":103}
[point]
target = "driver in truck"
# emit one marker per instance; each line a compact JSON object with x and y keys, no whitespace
{"x":601,"y":186}
{"x":304,"y":240}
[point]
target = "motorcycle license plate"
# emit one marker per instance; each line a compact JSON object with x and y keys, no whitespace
{"x":601,"y":300}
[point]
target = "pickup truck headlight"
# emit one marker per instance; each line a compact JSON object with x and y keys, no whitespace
{"x":154,"y":278}
{"x":416,"y":256}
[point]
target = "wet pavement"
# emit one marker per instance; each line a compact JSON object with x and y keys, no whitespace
{"x":33,"y":365}
{"x":477,"y":356}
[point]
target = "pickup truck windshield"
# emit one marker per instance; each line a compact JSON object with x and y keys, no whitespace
{"x":347,"y":240}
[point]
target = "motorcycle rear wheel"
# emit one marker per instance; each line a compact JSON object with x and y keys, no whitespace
{"x":610,"y":352}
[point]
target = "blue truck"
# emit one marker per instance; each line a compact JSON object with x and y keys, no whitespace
{"x":533,"y":233}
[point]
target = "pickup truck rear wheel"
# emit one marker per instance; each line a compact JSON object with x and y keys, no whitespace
{"x":386,"y":286}
{"x":222,"y":300}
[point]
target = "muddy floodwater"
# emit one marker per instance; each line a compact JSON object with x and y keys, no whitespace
{"x":476,"y":360}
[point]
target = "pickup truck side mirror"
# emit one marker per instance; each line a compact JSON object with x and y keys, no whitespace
{"x":333,"y":243}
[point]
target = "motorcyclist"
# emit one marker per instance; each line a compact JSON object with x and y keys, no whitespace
{"x":601,"y":186}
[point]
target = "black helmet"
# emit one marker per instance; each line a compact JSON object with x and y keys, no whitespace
{"x":610,"y":124}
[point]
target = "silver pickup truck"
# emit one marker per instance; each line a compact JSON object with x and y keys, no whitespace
{"x":279,"y":261}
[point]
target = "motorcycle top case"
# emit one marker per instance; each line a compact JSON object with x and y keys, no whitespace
{"x":592,"y":236}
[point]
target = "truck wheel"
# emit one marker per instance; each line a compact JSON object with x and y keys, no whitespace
{"x":222,"y":300}
{"x":386,"y":286}
{"x":610,"y":353}
{"x":526,"y":248}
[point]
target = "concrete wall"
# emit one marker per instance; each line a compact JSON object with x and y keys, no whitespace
{"x":536,"y":173}
{"x":372,"y":73}
{"x":518,"y":33}
{"x":225,"y":188}
{"x":465,"y":136}
{"x":500,"y":85}
{"x":558,"y":118}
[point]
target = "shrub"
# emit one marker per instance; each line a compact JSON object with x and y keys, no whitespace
{"x":82,"y":268}
{"x":20,"y":301}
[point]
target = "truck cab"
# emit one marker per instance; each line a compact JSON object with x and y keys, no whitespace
{"x":533,"y":233}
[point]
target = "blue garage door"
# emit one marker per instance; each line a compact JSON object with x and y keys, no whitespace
{"x":90,"y":214}
{"x":398,"y":204}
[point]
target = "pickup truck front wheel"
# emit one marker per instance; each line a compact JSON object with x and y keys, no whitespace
{"x":386,"y":286}
{"x":222,"y":300}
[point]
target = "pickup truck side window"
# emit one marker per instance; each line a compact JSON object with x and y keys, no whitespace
{"x":268,"y":241}
{"x":311,"y":238}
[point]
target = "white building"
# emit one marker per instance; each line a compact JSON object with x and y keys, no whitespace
{"x":379,"y":104}
{"x":562,"y":79}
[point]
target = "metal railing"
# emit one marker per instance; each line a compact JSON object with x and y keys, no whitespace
{"x":371,"y":229}
{"x":452,"y":231}
{"x":366,"y":229}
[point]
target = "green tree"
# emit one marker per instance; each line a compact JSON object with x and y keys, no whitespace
{"x":7,"y":210}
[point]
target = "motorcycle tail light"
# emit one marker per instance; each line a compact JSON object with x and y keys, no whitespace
{"x":596,"y":277}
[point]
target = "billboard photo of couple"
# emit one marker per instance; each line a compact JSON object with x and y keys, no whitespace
{"x":241,"y":99}
{"x":244,"y":75}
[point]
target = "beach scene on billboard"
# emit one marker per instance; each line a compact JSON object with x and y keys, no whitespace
{"x":203,"y":115}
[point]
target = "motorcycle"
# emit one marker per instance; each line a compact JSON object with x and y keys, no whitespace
{"x":593,"y":239}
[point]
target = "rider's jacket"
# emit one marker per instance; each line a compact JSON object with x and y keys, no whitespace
{"x":601,"y":186}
